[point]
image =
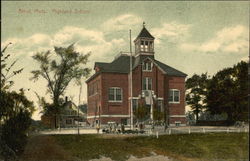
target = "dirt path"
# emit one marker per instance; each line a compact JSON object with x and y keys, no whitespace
{"x":44,"y":148}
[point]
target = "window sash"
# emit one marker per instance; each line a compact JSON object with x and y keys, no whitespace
{"x":147,"y":66}
{"x":174,"y":96}
{"x":118,"y":94}
{"x":147,"y":83}
{"x":115,"y":94}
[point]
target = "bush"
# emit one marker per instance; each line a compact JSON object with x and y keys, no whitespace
{"x":14,"y":134}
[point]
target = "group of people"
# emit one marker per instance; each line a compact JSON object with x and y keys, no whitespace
{"x":112,"y":128}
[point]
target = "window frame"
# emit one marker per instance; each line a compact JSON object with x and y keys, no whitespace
{"x":115,"y":94}
{"x":173,"y":94}
{"x":147,"y":83}
{"x":146,"y":65}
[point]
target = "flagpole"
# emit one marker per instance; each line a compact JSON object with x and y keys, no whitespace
{"x":131,"y":86}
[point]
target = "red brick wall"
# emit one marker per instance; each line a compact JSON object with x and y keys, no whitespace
{"x":157,"y":80}
{"x":161,"y":84}
{"x":114,"y":80}
{"x":177,"y":83}
{"x":94,"y":100}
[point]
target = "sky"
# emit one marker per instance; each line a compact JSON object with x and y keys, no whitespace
{"x":194,"y":37}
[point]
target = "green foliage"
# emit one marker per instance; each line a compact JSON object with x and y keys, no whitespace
{"x":225,"y":93}
{"x":158,"y":115}
{"x":228,"y":91}
{"x":14,"y":131}
{"x":141,"y":113}
{"x":12,"y":103}
{"x":59,"y":69}
{"x":197,"y":86}
{"x":15,"y":112}
{"x":6,"y":71}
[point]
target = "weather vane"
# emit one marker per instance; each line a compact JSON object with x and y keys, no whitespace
{"x":143,"y":24}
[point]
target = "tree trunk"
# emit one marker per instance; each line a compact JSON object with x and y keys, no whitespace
{"x":197,"y":116}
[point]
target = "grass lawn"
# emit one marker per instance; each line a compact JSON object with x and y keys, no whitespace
{"x":213,"y":146}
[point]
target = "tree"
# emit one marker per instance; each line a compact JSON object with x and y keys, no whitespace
{"x":15,"y":112}
{"x":228,"y":91}
{"x":59,"y":69}
{"x":158,"y":115}
{"x":141,"y":113}
{"x":15,"y":131}
{"x":196,"y":87}
{"x":12,"y":103}
{"x":6,"y":72}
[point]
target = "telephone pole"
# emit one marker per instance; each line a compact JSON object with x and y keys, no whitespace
{"x":131,"y":86}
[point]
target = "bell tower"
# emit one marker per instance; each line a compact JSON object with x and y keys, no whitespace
{"x":144,"y":43}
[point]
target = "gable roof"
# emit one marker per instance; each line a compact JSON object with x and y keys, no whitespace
{"x":144,"y":34}
{"x":122,"y":65}
{"x":119,"y":65}
{"x":170,"y":70}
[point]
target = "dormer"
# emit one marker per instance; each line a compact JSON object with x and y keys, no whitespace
{"x":144,"y":43}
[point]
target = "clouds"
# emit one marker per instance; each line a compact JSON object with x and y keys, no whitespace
{"x":85,"y":40}
{"x":172,"y":32}
{"x":232,"y":39}
{"x":175,"y":45}
{"x":121,"y":22}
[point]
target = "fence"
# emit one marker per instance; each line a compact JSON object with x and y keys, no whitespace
{"x":189,"y":130}
{"x":156,"y":131}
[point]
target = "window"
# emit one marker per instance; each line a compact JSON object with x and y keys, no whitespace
{"x":174,"y":96}
{"x":147,"y":66}
{"x":151,"y":47}
{"x":177,"y":123}
{"x":115,"y":94}
{"x":147,"y":83}
{"x":142,"y":45}
{"x":146,"y":45}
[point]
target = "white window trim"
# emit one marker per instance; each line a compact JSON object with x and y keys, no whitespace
{"x":174,"y":102}
{"x":115,"y":94}
{"x":146,"y":70}
{"x":147,"y":80}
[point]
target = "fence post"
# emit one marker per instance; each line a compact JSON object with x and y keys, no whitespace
{"x":169,"y":132}
{"x":189,"y":131}
{"x":245,"y":129}
{"x":227,"y":130}
{"x":239,"y":130}
{"x":157,"y":136}
{"x":204,"y":130}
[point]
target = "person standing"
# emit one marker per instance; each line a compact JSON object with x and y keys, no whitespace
{"x":97,"y":128}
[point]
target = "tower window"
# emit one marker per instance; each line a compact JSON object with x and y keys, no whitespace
{"x":151,"y":46}
{"x":142,"y":45}
{"x":146,"y":45}
{"x":147,"y":66}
